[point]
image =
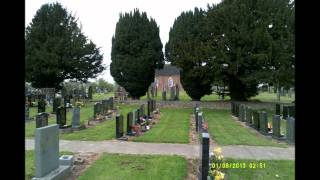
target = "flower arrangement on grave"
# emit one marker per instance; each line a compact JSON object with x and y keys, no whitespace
{"x":214,"y":170}
{"x":79,"y":104}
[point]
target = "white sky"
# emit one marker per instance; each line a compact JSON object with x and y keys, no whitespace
{"x":99,"y":17}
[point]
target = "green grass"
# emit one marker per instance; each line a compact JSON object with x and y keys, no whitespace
{"x":101,"y":96}
{"x":225,"y":131}
{"x":136,"y":167}
{"x":272,"y":97}
{"x":285,"y":169}
{"x":30,"y":166}
{"x":262,"y":97}
{"x":172,"y":128}
{"x":103,"y":131}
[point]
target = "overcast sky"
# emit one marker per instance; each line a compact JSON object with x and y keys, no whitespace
{"x":99,"y":17}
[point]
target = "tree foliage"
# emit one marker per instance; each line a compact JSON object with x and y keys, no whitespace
{"x":56,"y":49}
{"x":188,"y":49}
{"x":136,"y":52}
{"x":239,"y":43}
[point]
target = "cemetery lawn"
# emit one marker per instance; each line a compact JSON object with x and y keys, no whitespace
{"x":101,"y":96}
{"x":103,"y":131}
{"x":30,"y":166}
{"x":173,"y":127}
{"x":262,"y":97}
{"x":86,"y":112}
{"x":225,"y":131}
{"x":272,"y":97}
{"x":284,"y":169}
{"x":136,"y":167}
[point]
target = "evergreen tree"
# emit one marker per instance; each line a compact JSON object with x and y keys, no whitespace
{"x":136,"y":52}
{"x":254,"y":39}
{"x":188,"y":49}
{"x":56,"y":49}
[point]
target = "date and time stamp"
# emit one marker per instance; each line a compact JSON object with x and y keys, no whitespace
{"x":239,"y":165}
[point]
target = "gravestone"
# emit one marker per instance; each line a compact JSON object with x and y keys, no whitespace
{"x":26,"y":113}
{"x":196,"y":119}
{"x":263,"y":122}
{"x":164,"y":95}
{"x":276,"y":126}
{"x":290,"y":130}
{"x":142,"y":110}
{"x":47,"y":155}
{"x":241,"y":112}
{"x":42,"y":120}
{"x":177,"y":92}
{"x":200,"y":122}
{"x":285,"y":112}
{"x":56,"y":103}
{"x":291,"y":111}
{"x":135,"y":117}
{"x":204,"y":155}
{"x":129,"y":123}
{"x":41,"y":105}
{"x":278,"y":109}
{"x":248,"y":118}
{"x":256,"y":119}
{"x":96,"y":109}
{"x":111,"y":103}
{"x":76,"y":117}
{"x":119,"y":126}
{"x":172,"y":93}
{"x":61,"y":116}
{"x":149,"y":108}
{"x":90,"y":91}
{"x":237,"y":109}
{"x":154,"y":105}
{"x":233,"y":111}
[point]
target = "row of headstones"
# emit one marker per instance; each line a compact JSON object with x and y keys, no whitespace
{"x":57,"y":102}
{"x":198,"y":115}
{"x":259,"y":120}
{"x":174,"y":93}
{"x":134,"y":118}
{"x":204,"y":144}
{"x":61,"y":118}
{"x":103,"y":107}
{"x":282,"y":92}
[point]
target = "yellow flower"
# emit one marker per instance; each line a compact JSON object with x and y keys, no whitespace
{"x":217,"y":150}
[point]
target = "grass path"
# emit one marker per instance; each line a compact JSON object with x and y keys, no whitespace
{"x":172,"y":128}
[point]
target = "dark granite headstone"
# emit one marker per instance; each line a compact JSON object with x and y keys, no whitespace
{"x":111,"y":103}
{"x":248,"y":117}
{"x":119,"y":126}
{"x":285,"y":112}
{"x":291,"y":111}
{"x":263,"y":122}
{"x":164,"y":95}
{"x":200,"y":122}
{"x":278,"y":109}
{"x":41,"y":105}
{"x":149,"y":108}
{"x":56,"y":103}
{"x":204,"y":154}
{"x":177,"y":92}
{"x":276,"y":126}
{"x":61,"y":116}
{"x":256,"y":123}
{"x":42,"y":120}
{"x":129,"y":122}
{"x":196,"y":119}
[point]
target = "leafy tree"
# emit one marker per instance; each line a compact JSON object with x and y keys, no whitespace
{"x":102,"y":84}
{"x":56,"y":49}
{"x":241,"y":38}
{"x":136,"y":52}
{"x":187,"y":48}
